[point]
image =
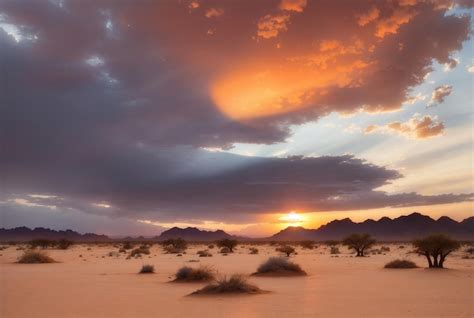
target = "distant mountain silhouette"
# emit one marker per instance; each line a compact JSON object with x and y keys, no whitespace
{"x":22,"y":234}
{"x":402,"y":228}
{"x":194,"y":234}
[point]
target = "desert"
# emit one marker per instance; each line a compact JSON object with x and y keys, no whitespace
{"x":94,"y":280}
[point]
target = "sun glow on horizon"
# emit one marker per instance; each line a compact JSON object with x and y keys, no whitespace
{"x":292,"y":218}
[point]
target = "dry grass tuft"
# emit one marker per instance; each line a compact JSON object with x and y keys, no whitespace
{"x":35,"y":257}
{"x":279,"y":266}
{"x":236,"y":284}
{"x":401,"y":263}
{"x":147,"y":269}
{"x":190,"y":274}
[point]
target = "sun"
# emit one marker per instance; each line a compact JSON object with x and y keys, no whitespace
{"x":292,"y":217}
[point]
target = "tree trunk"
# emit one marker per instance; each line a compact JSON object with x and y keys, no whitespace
{"x":435,"y":261}
{"x":430,"y":263}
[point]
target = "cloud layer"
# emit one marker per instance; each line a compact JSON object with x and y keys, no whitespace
{"x":110,"y":103}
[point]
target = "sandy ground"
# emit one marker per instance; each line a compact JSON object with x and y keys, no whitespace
{"x":96,"y":285}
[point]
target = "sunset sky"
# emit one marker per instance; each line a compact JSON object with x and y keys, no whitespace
{"x":126,"y":118}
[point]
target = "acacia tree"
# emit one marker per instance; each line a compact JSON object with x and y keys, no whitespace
{"x":436,"y":248}
{"x":286,"y":249}
{"x":359,"y":242}
{"x":230,"y":244}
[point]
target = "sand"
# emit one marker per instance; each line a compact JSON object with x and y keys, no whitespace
{"x":344,"y":286}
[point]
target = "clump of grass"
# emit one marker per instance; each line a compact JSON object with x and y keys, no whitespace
{"x":279,"y":266}
{"x":210,"y":246}
{"x":385,"y":249}
{"x":204,"y":253}
{"x":225,"y":250}
{"x":335,"y":250}
{"x":147,"y":269}
{"x":400,"y":263}
{"x":35,"y":257}
{"x":253,"y":250}
{"x":190,"y":274}
{"x":236,"y":284}
{"x":137,"y":252}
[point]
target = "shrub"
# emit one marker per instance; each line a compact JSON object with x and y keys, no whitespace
{"x":236,"y":284}
{"x":177,"y":244}
{"x":43,"y":243}
{"x":64,"y":244}
{"x":385,"y":249}
{"x":230,"y":244}
{"x":204,"y":253}
{"x":147,"y":269}
{"x":279,"y":266}
{"x":286,"y":249}
{"x":359,"y":242}
{"x":225,"y":250}
{"x":335,"y":250}
{"x":307,"y":244}
{"x":127,"y":245}
{"x":170,"y":249}
{"x":113,"y":254}
{"x":470,"y":250}
{"x":436,"y":248}
{"x":190,"y":274}
{"x":210,"y":246}
{"x":400,"y":263}
{"x":35,"y":257}
{"x":139,"y":251}
{"x":253,"y":250}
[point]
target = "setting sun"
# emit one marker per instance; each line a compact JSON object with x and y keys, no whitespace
{"x":292,"y":217}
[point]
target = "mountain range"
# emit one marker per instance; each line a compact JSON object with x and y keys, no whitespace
{"x":402,"y":228}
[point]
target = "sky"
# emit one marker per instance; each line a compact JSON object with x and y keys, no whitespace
{"x":128,"y":118}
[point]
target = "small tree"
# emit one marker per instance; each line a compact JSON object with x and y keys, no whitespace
{"x":359,"y":242}
{"x":436,"y":248}
{"x":286,"y":249}
{"x":230,"y":244}
{"x":308,"y":244}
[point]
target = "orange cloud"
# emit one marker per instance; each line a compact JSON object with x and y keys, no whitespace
{"x":391,"y":24}
{"x":416,"y":127}
{"x":213,"y":12}
{"x":269,"y":26}
{"x":293,"y":5}
{"x":439,"y":94}
{"x":370,"y":16}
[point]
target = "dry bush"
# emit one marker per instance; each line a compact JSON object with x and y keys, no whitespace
{"x":286,"y":249}
{"x":35,"y":257}
{"x":128,"y":245}
{"x":43,"y":243}
{"x":190,"y":274}
{"x":385,"y":249}
{"x":225,"y":250}
{"x":335,"y":250}
{"x":400,"y":263}
{"x":253,"y":250}
{"x":236,"y":284}
{"x":64,"y":244}
{"x":204,"y":253}
{"x":137,"y":252}
{"x":308,"y":244}
{"x":147,"y":269}
{"x":279,"y":266}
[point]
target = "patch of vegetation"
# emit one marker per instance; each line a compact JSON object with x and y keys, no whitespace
{"x":128,"y":245}
{"x":359,"y":242}
{"x":331,"y":243}
{"x":279,"y":266}
{"x":335,"y":250}
{"x":400,"y":263}
{"x":286,"y":249}
{"x":308,"y":244}
{"x":236,"y":284}
{"x":64,"y":244}
{"x":35,"y":257}
{"x":225,"y":250}
{"x":210,"y":246}
{"x":190,"y":274}
{"x":230,"y":244}
{"x":147,"y":269}
{"x":43,"y":243}
{"x":253,"y":250}
{"x":204,"y":253}
{"x":174,"y":246}
{"x":436,"y":248}
{"x":137,"y":252}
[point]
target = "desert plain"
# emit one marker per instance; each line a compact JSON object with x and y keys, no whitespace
{"x":87,"y":282}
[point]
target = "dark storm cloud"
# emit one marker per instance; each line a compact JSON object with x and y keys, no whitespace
{"x":107,"y":101}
